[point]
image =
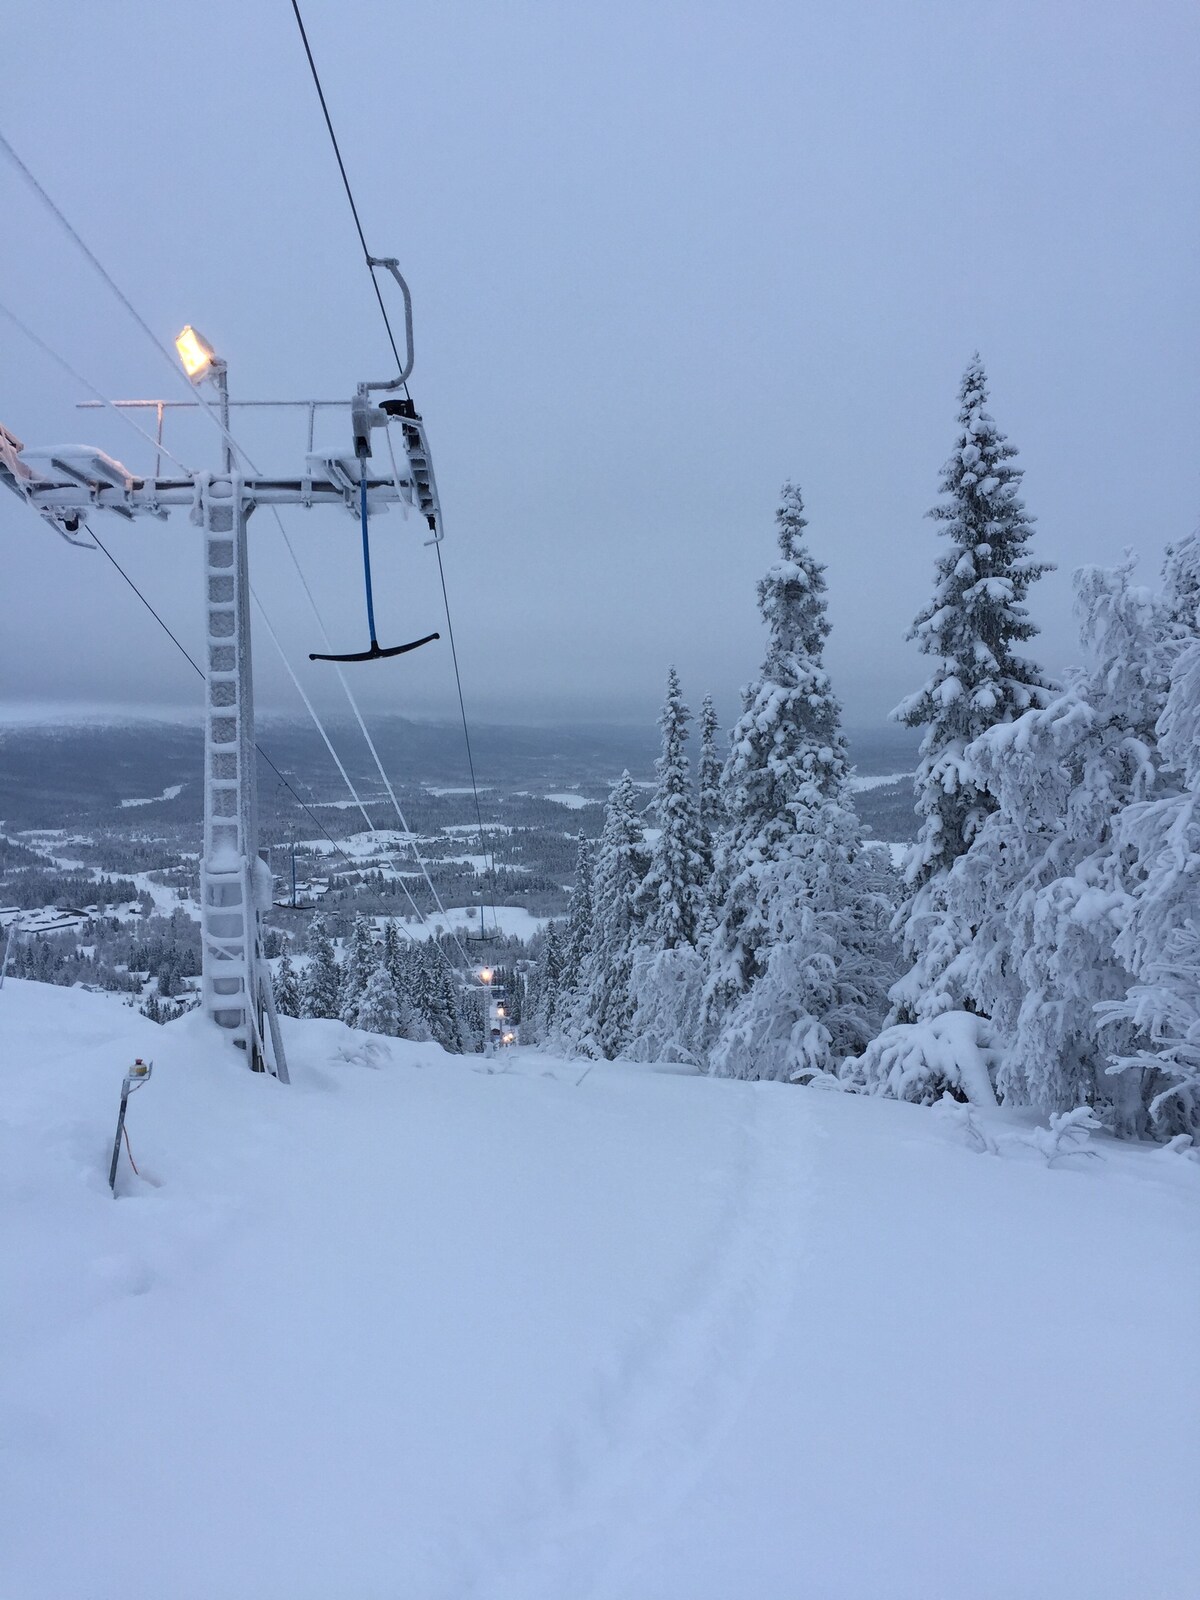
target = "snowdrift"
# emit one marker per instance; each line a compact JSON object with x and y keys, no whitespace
{"x":412,"y":1328}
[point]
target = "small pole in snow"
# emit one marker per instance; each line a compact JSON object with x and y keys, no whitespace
{"x":134,"y":1079}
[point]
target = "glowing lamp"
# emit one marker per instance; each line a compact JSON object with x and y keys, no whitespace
{"x":198,"y":356}
{"x":486,"y":975}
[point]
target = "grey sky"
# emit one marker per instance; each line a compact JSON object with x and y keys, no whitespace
{"x":663,"y":257}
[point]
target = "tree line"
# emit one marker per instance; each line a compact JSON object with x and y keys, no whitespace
{"x":1042,"y":947}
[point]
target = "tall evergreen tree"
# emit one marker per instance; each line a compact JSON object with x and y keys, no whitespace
{"x":548,"y":998}
{"x":788,"y":739}
{"x":360,"y":962}
{"x":1031,"y":909}
{"x":797,"y":957}
{"x":1159,"y":940}
{"x":439,"y":1001}
{"x":572,"y":953}
{"x":972,"y":626}
{"x":671,"y":896}
{"x":378,"y":1007}
{"x":709,"y":802}
{"x":607,"y":1002}
{"x":286,"y":987}
{"x":397,"y":957}
{"x":319,"y":990}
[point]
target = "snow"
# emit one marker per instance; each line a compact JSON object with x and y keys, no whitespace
{"x":513,"y":921}
{"x":878,"y":781}
{"x":573,"y":802}
{"x":413,"y":1327}
{"x":168,"y":794}
{"x":364,"y":846}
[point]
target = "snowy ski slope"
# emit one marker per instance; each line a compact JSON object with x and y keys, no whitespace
{"x":414,"y":1330}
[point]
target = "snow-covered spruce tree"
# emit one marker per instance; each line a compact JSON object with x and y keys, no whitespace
{"x":710,"y":804}
{"x":577,"y":938}
{"x":378,"y":1008}
{"x":604,"y":1008}
{"x":439,"y":1002}
{"x":972,"y":626}
{"x":1043,"y":891}
{"x":398,"y":957}
{"x":322,"y":980}
{"x":1160,"y":939}
{"x":359,"y":963}
{"x":667,"y":979}
{"x":286,"y":987}
{"x":671,"y":895}
{"x":546,"y":996}
{"x":799,"y":959}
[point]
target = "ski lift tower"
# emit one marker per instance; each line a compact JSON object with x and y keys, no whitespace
{"x":65,"y":484}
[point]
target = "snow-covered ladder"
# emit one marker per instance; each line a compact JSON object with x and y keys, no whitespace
{"x":236,"y":983}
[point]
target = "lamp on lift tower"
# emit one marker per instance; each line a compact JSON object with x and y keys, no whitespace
{"x":198,"y":356}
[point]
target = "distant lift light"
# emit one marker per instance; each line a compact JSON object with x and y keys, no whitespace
{"x":198,"y":356}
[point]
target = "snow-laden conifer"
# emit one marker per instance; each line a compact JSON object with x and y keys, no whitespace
{"x":397,"y":957}
{"x":788,"y":737}
{"x":606,"y":1003}
{"x":799,"y":957}
{"x":667,"y":974}
{"x":359,"y":963}
{"x":548,"y":997}
{"x":1160,"y":938}
{"x":571,"y":951}
{"x":709,"y":802}
{"x":439,"y":1001}
{"x":319,"y":990}
{"x":1033,"y":909}
{"x":379,"y":1007}
{"x":672,"y":892}
{"x":972,"y":627}
{"x":286,"y":987}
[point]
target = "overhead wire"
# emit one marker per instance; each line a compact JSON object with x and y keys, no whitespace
{"x":124,"y":416}
{"x":99,"y":267}
{"x":116,"y":289}
{"x":199,"y":671}
{"x":370,"y":263}
{"x":362,"y":238}
{"x":95,"y":393}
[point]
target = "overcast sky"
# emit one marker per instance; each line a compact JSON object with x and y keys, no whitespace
{"x":663,"y":257}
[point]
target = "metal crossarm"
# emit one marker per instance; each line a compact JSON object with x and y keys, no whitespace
{"x":65,"y":484}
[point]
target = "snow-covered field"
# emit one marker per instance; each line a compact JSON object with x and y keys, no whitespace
{"x":859,"y":785}
{"x":411,"y":1328}
{"x":512,"y":921}
{"x":172,"y":792}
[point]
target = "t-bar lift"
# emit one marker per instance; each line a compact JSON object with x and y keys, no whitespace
{"x":65,"y":484}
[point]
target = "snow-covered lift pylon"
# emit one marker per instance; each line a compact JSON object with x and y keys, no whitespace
{"x":65,"y":484}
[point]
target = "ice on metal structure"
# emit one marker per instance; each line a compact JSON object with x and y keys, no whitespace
{"x":65,"y":484}
{"x":236,"y":981}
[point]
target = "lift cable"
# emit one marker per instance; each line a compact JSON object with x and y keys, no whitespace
{"x":370,"y":260}
{"x":95,"y":393}
{"x":355,"y":866}
{"x":199,"y":671}
{"x":99,"y":267}
{"x":362,"y":238}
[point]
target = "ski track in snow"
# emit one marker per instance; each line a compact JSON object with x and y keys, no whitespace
{"x":658,"y":1413}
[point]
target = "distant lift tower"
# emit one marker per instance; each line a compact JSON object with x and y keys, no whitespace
{"x":66,"y":483}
